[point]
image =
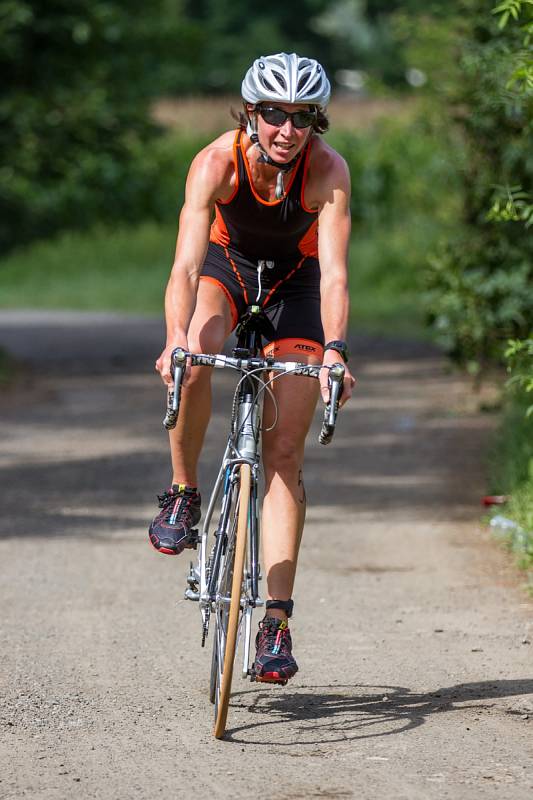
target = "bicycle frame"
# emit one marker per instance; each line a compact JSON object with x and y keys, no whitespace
{"x":242,"y":447}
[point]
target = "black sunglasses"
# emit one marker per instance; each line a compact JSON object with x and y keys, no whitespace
{"x":278,"y":117}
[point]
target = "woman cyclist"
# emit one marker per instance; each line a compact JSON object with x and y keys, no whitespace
{"x":266,"y":220}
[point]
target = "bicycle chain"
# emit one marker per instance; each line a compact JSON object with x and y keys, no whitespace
{"x":205,"y":626}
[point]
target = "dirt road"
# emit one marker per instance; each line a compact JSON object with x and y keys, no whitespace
{"x":414,"y":640}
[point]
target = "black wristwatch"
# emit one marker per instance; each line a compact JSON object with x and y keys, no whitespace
{"x":341,"y":348}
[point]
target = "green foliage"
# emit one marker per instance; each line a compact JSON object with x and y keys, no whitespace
{"x":74,"y":129}
{"x":398,"y":169}
{"x":512,"y":474}
{"x":234,"y":37}
{"x":404,"y":199}
{"x":511,"y":204}
{"x":512,"y":452}
{"x":519,"y":358}
{"x":345,"y":35}
{"x":509,"y":8}
{"x":386,"y":268}
{"x":479,"y":294}
{"x":520,"y":78}
{"x":520,"y":510}
{"x":361,"y":40}
{"x":479,"y":282}
{"x":77,"y":143}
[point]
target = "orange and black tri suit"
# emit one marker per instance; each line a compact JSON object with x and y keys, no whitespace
{"x":266,"y":253}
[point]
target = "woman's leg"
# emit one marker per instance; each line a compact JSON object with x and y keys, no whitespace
{"x":284,"y":504}
{"x":170,"y":530}
{"x":210,"y":327}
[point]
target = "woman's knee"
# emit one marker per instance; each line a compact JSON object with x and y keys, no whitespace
{"x":282,"y":454}
{"x":211,"y":322}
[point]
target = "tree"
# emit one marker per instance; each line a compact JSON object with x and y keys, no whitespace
{"x":73,"y":113}
{"x":480,"y":283}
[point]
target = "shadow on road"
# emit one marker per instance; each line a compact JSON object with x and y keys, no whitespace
{"x":329,"y":714}
{"x":80,"y":453}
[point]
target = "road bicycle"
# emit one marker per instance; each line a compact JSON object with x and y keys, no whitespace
{"x":225,"y":579}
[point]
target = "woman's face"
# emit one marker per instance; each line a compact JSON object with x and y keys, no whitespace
{"x":285,"y":142}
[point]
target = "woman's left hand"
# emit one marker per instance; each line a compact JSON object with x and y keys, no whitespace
{"x":332,"y":357}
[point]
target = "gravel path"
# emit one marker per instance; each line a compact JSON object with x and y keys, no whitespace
{"x":413,"y":636}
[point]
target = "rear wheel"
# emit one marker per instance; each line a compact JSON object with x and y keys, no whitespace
{"x":228,"y":606}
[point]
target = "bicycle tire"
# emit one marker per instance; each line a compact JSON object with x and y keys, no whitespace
{"x":214,"y":671}
{"x":223,"y":588}
{"x":238,"y":555}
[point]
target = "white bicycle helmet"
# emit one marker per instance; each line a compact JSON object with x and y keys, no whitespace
{"x":286,"y":78}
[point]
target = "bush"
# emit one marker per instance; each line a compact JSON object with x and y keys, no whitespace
{"x":74,"y":129}
{"x":404,"y":199}
{"x":399,"y":168}
{"x":478,"y":293}
{"x":519,"y":355}
{"x":512,"y":456}
{"x":512,"y":475}
{"x":479,"y":282}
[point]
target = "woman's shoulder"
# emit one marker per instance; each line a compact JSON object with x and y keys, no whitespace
{"x":324,"y":160}
{"x":220,"y":150}
{"x":327,"y":172}
{"x":214,"y":163}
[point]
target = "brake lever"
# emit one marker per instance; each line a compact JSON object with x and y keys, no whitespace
{"x":179,"y":362}
{"x":336,"y":381}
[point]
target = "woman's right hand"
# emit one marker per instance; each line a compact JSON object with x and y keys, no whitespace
{"x":163,"y":363}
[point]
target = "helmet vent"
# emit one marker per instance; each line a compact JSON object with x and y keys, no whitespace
{"x":314,"y":88}
{"x":280,"y":78}
{"x":301,"y":83}
{"x":266,"y":84}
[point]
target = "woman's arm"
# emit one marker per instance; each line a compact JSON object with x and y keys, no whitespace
{"x":334,"y":225}
{"x":205,"y":183}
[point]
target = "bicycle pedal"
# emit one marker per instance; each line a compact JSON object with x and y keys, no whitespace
{"x":192,"y":579}
{"x":192,"y":540}
{"x":255,"y":678}
{"x":278,"y":681}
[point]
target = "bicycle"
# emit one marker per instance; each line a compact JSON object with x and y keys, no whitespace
{"x":225,"y":580}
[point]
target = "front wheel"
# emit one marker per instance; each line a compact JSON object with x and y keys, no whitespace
{"x":222,"y":668}
{"x":214,"y":669}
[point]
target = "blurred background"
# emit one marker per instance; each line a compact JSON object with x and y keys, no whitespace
{"x":104,"y":104}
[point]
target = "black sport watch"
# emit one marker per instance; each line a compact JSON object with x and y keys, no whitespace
{"x":341,"y":348}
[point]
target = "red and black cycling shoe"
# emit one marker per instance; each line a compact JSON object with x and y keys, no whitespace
{"x":274,"y":662}
{"x":171,"y":531}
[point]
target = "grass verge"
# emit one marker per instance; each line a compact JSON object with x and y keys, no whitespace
{"x":124,"y":269}
{"x":512,"y":475}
